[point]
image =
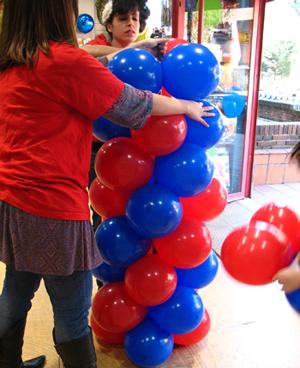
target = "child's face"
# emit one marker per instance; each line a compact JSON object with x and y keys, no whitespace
{"x":125,"y":27}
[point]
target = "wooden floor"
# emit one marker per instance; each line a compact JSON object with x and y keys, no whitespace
{"x":252,"y":327}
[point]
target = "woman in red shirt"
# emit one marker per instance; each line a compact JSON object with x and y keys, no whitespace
{"x":50,"y":92}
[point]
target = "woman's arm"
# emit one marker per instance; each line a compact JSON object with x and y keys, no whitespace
{"x":134,"y":107}
{"x":163,"y":105}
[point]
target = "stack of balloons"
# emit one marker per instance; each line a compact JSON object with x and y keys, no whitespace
{"x":255,"y":252}
{"x":155,"y":189}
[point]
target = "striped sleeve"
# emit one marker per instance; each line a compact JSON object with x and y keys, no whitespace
{"x":132,"y":108}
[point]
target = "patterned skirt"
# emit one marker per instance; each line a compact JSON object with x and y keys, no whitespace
{"x":46,"y":246}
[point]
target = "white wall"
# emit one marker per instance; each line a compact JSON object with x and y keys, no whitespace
{"x":154,"y":19}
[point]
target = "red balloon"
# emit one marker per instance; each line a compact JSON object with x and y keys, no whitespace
{"x":196,"y":335}
{"x":187,"y":246}
{"x":161,"y":135}
{"x":150,"y":281}
{"x":107,"y":202}
{"x":282,"y":217}
{"x":207,"y":205}
{"x":121,"y":165}
{"x":115,"y":311}
{"x":172,"y":42}
{"x":105,"y":336}
{"x":254,"y":253}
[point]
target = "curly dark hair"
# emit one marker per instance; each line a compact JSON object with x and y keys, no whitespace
{"x":126,"y":6}
{"x":295,"y":154}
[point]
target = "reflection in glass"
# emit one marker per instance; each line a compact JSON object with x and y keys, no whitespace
{"x":228,"y":32}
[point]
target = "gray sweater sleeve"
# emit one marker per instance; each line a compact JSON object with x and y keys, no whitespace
{"x":132,"y":108}
{"x":103,"y":60}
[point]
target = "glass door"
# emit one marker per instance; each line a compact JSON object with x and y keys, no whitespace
{"x":227,"y":32}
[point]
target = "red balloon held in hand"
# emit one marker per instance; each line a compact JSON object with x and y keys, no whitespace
{"x":187,"y":246}
{"x":107,"y":202}
{"x":208,"y":204}
{"x":161,"y":135}
{"x":197,"y":334}
{"x":122,"y":166}
{"x":282,"y":217}
{"x":254,"y":253}
{"x":150,"y":281}
{"x":115,"y":311}
{"x":105,"y":336}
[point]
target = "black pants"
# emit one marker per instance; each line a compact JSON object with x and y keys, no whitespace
{"x":92,"y":175}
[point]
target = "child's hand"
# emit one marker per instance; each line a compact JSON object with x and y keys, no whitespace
{"x":289,"y":278}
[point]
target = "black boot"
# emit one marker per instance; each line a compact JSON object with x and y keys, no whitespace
{"x":78,"y":353}
{"x":11,"y":349}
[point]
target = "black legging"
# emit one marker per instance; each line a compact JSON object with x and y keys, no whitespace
{"x":92,"y":175}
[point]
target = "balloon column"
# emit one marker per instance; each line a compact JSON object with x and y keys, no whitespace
{"x":255,"y":252}
{"x":156,"y":190}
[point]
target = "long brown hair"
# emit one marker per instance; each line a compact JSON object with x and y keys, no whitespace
{"x":29,"y":25}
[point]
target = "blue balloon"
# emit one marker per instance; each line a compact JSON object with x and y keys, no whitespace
{"x":180,"y":314}
{"x":119,"y":245}
{"x":107,"y":273}
{"x":294,"y":299}
{"x":190,"y":71}
{"x":233,"y":105}
{"x":147,"y":345}
{"x":104,"y":130}
{"x":202,"y":136}
{"x":139,"y":68}
{"x":199,"y":276}
{"x":85,"y":23}
{"x":153,"y":211}
{"x":187,"y":171}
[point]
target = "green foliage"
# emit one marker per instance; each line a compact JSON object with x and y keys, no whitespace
{"x":277,"y":59}
{"x":212,"y":18}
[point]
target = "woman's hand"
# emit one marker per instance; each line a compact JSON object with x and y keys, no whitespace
{"x":154,"y":45}
{"x":196,"y":110}
{"x":149,"y":43}
{"x":163,"y":105}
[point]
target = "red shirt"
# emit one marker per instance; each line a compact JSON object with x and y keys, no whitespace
{"x":46,"y":131}
{"x":102,"y":41}
{"x":99,"y":40}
